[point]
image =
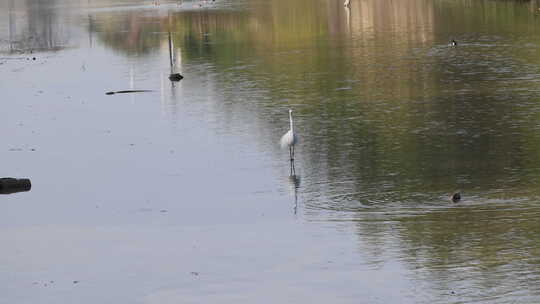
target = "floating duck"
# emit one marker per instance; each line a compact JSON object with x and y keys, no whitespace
{"x":175,"y":77}
{"x":456,"y":197}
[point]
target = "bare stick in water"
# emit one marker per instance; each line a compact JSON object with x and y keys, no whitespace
{"x":128,"y":91}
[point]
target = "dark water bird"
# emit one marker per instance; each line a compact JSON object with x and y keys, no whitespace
{"x":456,"y":197}
{"x":175,"y":77}
{"x":289,"y":139}
{"x":453,"y":42}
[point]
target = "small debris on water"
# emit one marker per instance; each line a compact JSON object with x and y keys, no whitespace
{"x":194,"y":273}
{"x":162,"y":210}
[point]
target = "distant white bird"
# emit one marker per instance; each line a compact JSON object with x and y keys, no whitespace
{"x":289,"y":139}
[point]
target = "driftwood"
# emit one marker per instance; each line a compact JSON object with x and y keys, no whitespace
{"x":127,"y":91}
{"x":10,"y":185}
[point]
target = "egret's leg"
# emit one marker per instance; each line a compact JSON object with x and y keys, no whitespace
{"x":291,"y":173}
{"x":291,"y":152}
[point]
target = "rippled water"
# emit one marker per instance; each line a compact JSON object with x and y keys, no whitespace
{"x":182,"y":195}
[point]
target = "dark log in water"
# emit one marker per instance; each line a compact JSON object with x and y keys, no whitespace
{"x":10,"y":185}
{"x":127,"y":91}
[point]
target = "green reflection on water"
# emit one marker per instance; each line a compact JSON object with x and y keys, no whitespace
{"x":384,"y":103}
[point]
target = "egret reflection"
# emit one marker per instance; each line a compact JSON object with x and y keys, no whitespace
{"x":294,"y":184}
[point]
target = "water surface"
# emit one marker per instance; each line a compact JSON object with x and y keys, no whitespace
{"x":182,"y":195}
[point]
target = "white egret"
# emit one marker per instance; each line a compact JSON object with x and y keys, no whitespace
{"x":289,"y":139}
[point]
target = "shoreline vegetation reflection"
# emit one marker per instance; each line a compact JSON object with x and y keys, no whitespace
{"x":416,"y":127}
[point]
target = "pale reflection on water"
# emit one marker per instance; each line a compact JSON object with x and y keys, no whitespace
{"x":182,"y":194}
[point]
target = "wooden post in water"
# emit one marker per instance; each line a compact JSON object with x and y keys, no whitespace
{"x":173,"y":76}
{"x":171,"y":48}
{"x":12,"y":24}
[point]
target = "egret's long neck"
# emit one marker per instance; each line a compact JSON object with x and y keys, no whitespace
{"x":290,"y":120}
